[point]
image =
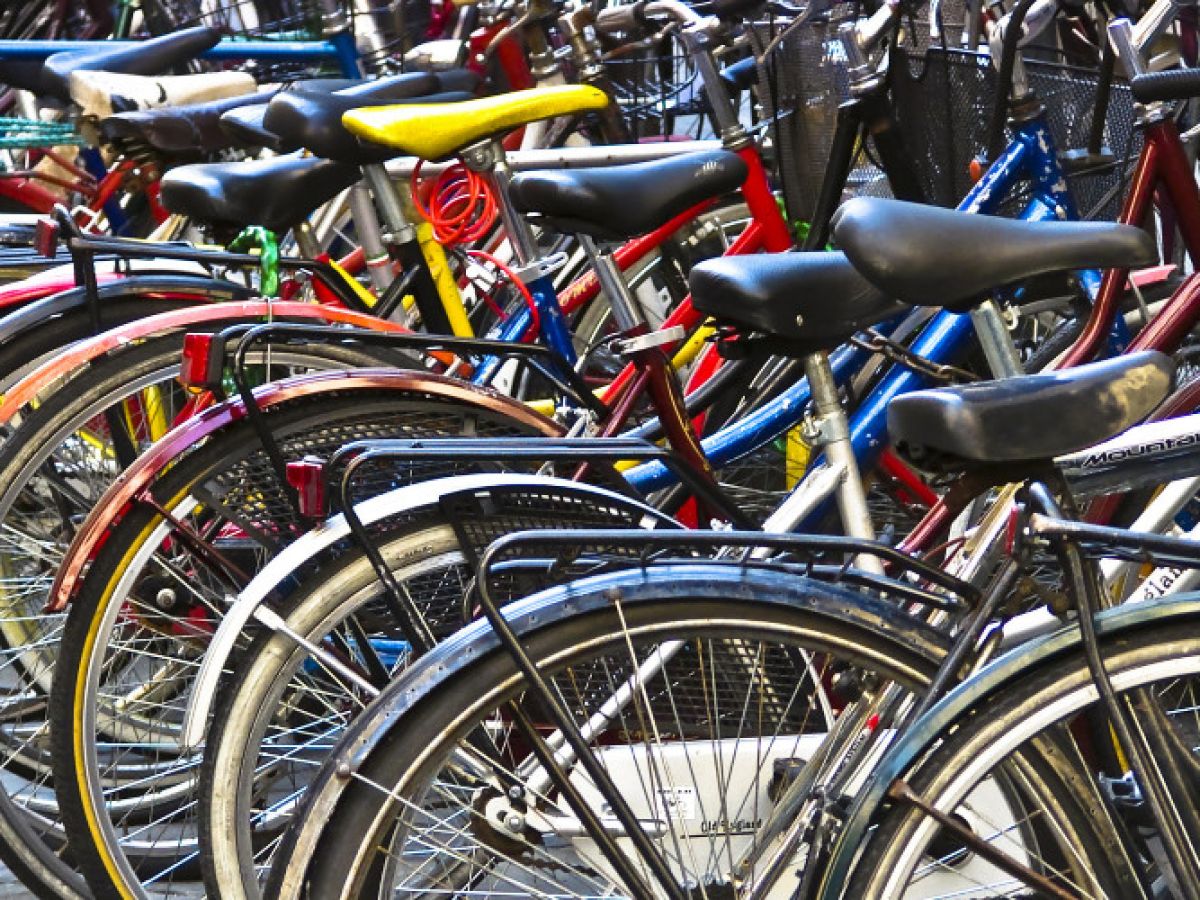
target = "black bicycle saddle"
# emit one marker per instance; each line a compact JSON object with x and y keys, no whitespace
{"x":620,"y":202}
{"x":809,"y":301}
{"x":275,"y":193}
{"x":928,"y":256}
{"x":1030,"y":417}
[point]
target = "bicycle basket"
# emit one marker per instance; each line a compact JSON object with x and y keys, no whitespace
{"x":943,"y":102}
{"x":801,"y":84}
{"x":655,"y":87}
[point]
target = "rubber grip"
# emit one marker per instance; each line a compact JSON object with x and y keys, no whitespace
{"x":622,"y":19}
{"x":1176,"y":84}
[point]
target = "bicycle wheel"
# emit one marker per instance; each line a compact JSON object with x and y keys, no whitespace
{"x":280,"y":711}
{"x":735,"y":693}
{"x":1002,"y":736}
{"x":700,"y":749}
{"x":137,"y":630}
{"x":281,"y":705}
{"x":60,"y":458}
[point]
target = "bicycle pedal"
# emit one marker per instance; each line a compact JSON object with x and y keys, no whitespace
{"x":1123,"y":790}
{"x":784,"y":771}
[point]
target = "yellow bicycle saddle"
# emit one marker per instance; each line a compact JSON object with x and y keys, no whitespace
{"x":437,"y":130}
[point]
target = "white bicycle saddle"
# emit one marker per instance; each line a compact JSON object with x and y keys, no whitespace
{"x":100,"y":94}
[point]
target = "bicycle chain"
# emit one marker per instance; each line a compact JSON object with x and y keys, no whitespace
{"x":874,"y":342}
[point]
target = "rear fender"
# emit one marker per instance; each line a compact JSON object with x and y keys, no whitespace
{"x":146,"y":468}
{"x":403,"y":501}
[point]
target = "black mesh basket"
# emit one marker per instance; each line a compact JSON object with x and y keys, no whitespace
{"x":801,"y":84}
{"x":943,"y":101}
{"x":655,"y":87}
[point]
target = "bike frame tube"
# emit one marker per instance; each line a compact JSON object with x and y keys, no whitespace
{"x":754,"y":430}
{"x":553,"y":327}
{"x":1030,"y":155}
{"x":28,"y":192}
{"x":346,"y":52}
{"x":774,"y":236}
{"x":94,"y":164}
{"x":1163,"y":164}
{"x":268,"y":51}
{"x":587,"y":286}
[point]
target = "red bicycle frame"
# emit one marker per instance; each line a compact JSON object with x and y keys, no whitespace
{"x":1163,"y":172}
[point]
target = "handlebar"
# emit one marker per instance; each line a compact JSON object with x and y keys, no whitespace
{"x":871,"y":31}
{"x":633,"y":16}
{"x":1037,"y":18}
{"x":624,"y":18}
{"x":674,"y":9}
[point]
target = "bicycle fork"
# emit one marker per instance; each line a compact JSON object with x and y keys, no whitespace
{"x":1169,"y":794}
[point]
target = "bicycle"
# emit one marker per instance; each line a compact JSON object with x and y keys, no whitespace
{"x":389,"y":779}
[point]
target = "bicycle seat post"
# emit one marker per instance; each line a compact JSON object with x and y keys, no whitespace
{"x":828,"y":429}
{"x":626,"y":312}
{"x":995,"y":340}
{"x":488,"y":159}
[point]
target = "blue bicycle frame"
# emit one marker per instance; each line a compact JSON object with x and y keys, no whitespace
{"x":338,"y":47}
{"x":1030,"y":155}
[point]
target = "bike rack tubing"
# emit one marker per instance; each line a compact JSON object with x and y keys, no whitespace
{"x":275,"y":51}
{"x":792,"y":543}
{"x":539,"y":356}
{"x":84,"y":248}
{"x":540,"y":449}
{"x":249,"y":335}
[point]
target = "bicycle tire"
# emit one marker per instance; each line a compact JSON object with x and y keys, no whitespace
{"x":27,"y":636}
{"x":1001,"y":725}
{"x":249,"y":697}
{"x":320,"y":424}
{"x":421,"y":718}
{"x":280,"y":702}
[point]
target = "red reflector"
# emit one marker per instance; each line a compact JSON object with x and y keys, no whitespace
{"x":1011,"y":529}
{"x":307,"y":476}
{"x":198,"y":367}
{"x":45,"y":237}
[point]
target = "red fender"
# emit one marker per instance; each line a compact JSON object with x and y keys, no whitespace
{"x":142,"y":473}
